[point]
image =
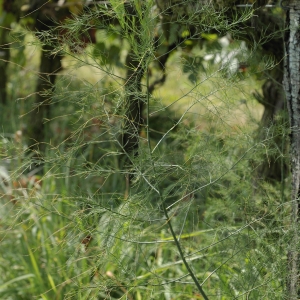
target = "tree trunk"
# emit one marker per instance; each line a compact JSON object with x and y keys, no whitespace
{"x":4,"y":59}
{"x":9,"y":11}
{"x":134,"y":100}
{"x":49,"y":66}
{"x":292,"y":90}
{"x":133,"y":106}
{"x":273,"y":100}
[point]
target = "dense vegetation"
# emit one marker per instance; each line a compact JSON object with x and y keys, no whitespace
{"x":144,"y":151}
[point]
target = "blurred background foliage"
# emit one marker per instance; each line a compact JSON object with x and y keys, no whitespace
{"x":113,"y":110}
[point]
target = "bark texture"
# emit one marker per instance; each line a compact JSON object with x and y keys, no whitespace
{"x":292,"y":89}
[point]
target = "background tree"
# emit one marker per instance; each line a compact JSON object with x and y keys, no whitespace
{"x":9,"y":13}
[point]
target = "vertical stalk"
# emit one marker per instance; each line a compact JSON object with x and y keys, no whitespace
{"x":198,"y":285}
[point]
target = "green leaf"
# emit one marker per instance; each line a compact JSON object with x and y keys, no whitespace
{"x":20,"y":278}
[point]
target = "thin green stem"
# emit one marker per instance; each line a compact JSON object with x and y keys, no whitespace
{"x":164,"y":206}
{"x":199,"y":287}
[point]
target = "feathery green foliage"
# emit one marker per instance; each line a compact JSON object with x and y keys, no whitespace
{"x":185,"y":216}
